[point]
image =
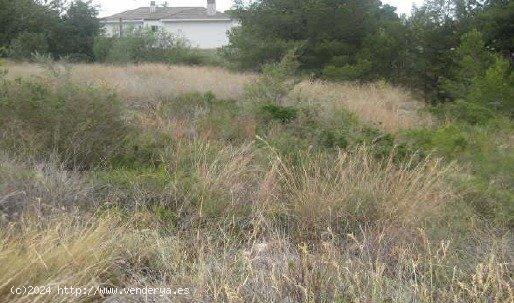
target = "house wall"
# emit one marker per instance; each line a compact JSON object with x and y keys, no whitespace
{"x":113,"y":28}
{"x":203,"y":34}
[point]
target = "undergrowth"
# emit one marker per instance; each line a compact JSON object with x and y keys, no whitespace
{"x":254,"y":200}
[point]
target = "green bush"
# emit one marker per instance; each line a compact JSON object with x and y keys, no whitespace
{"x":469,"y":112}
{"x":447,"y":140}
{"x":471,"y":60}
{"x":194,"y":56}
{"x":138,"y":46}
{"x":26,"y":44}
{"x":102,"y":47}
{"x":277,"y":80}
{"x":482,"y":78}
{"x":482,"y":149}
{"x":282,"y":114}
{"x":349,"y":72}
{"x":140,"y":150}
{"x":186,"y":105}
{"x":147,"y":46}
{"x":495,"y":89}
{"x":290,"y":129}
{"x":83,"y":126}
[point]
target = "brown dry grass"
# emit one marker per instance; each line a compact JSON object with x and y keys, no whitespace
{"x":271,"y":271}
{"x":150,"y":82}
{"x":389,"y":259}
{"x":388,"y":108}
{"x":238,"y":221}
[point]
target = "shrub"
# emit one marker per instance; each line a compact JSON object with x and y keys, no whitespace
{"x":4,"y":51}
{"x":186,"y":105}
{"x":193,"y":56}
{"x":349,"y":72}
{"x":276,"y":82}
{"x":132,"y":188}
{"x":101,"y":48}
{"x":469,"y":112}
{"x":447,"y":140}
{"x":282,"y":114}
{"x":495,"y":89}
{"x":77,"y":58}
{"x":129,"y":49}
{"x":140,"y":150}
{"x":135,"y":46}
{"x":483,"y":150}
{"x":472,"y":59}
{"x":83,"y":125}
{"x":146,"y":46}
{"x":26,"y":44}
{"x":481,"y":77}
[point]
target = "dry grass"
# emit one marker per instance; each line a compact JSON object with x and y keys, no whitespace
{"x":240,"y":221}
{"x":388,"y":108}
{"x":355,"y":189}
{"x":105,"y":252}
{"x":147,"y":82}
{"x":393,"y":261}
{"x":63,"y":253}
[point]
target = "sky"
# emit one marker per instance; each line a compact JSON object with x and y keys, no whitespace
{"x":109,"y":7}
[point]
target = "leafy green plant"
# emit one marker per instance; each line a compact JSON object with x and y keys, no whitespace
{"x":282,"y":114}
{"x":26,"y":44}
{"x":83,"y":126}
{"x":482,"y":78}
{"x":277,"y":80}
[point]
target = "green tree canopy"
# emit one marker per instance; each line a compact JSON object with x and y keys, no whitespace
{"x":58,"y":28}
{"x":327,"y":31}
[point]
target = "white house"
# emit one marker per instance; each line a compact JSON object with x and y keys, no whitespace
{"x":204,"y":27}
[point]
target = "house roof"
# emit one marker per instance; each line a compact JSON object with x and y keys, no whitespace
{"x":180,"y":13}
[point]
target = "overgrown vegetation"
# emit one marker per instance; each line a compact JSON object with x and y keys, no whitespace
{"x":339,"y":39}
{"x":82,"y":125}
{"x":270,"y":187}
{"x":147,"y":46}
{"x":265,"y":185}
{"x":60,"y":28}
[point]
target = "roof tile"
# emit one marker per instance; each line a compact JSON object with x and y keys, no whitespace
{"x":143,"y":13}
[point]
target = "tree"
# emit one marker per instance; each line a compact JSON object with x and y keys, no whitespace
{"x":26,"y":16}
{"x":78,"y":29}
{"x":26,"y":44}
{"x":471,"y":60}
{"x":56,"y":28}
{"x":481,"y":80}
{"x":330,"y":32}
{"x":497,"y":23}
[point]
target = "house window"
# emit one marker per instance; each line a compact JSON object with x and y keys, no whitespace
{"x":154,"y":28}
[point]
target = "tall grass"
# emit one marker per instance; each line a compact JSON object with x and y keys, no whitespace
{"x":389,"y":108}
{"x":81,"y":125}
{"x":305,"y":236}
{"x":298,"y":200}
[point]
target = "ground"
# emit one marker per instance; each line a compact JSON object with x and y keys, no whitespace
{"x":235,"y":187}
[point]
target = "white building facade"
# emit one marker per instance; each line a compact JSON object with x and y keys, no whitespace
{"x":203,"y":27}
